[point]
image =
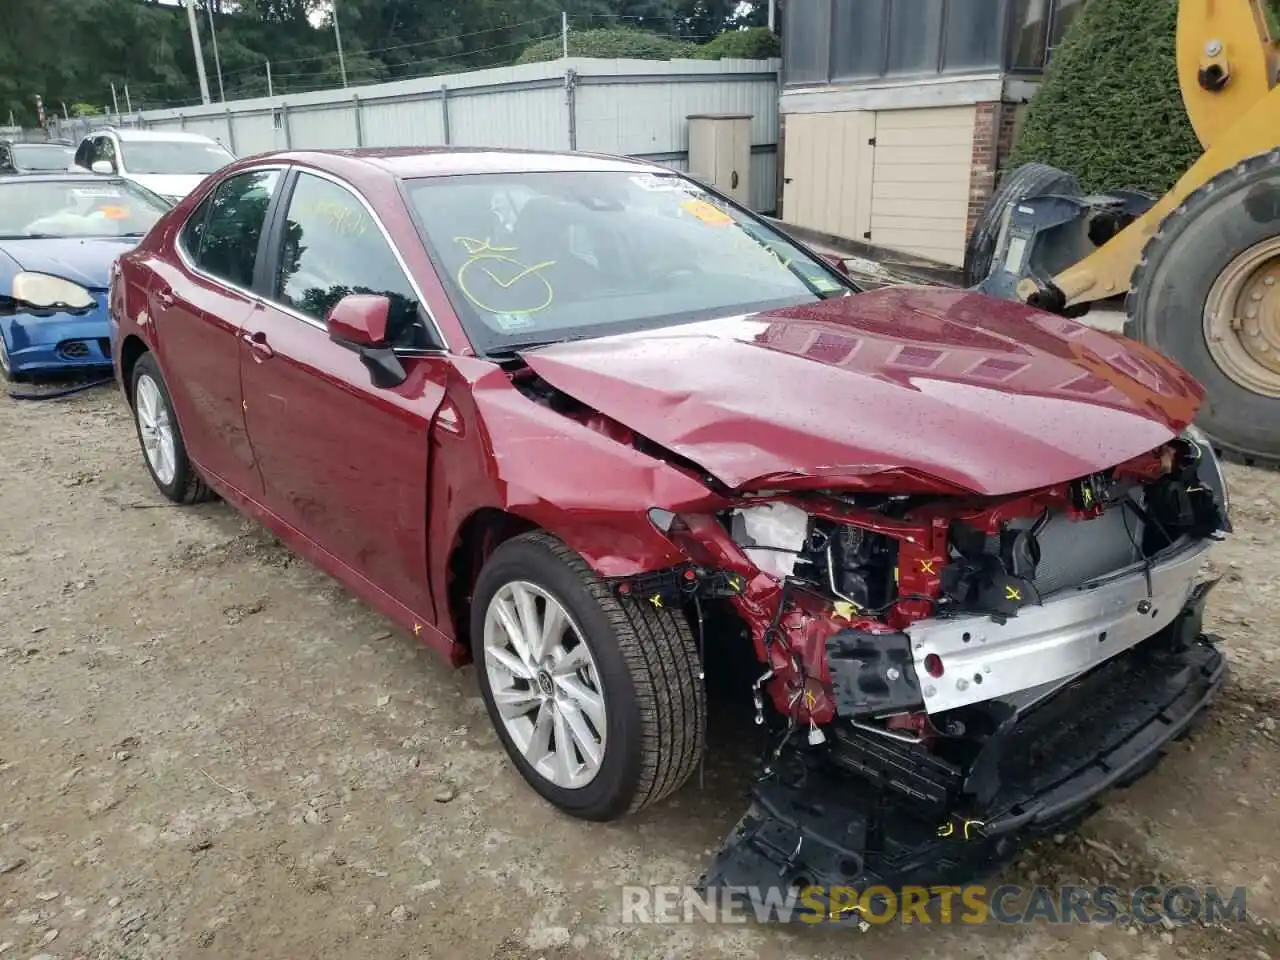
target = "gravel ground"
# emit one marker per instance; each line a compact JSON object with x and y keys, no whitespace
{"x":209,"y":749}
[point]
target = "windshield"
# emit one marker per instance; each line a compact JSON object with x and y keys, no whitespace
{"x":76,"y":208}
{"x":178,"y":157}
{"x":41,"y":156}
{"x":538,"y":257}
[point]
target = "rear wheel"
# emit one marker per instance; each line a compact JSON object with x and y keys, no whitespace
{"x":598,"y":703}
{"x":1207,"y":295}
{"x":1028,"y":180}
{"x":161,"y":438}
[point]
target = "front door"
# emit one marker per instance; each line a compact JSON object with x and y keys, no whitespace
{"x":343,"y":462}
{"x":200,"y":308}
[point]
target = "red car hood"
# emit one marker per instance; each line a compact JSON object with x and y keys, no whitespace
{"x":985,"y":395}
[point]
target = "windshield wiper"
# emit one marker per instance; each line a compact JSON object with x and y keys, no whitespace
{"x":512,"y":348}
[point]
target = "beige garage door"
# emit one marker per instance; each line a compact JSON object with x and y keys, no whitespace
{"x":827,"y":171}
{"x":920,"y":185}
{"x":895,"y":178}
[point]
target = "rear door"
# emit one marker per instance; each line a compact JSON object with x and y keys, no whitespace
{"x":200,"y":305}
{"x":343,"y":461}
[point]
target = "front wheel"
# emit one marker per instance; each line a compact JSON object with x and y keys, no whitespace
{"x":160,"y":437}
{"x":599,"y":703}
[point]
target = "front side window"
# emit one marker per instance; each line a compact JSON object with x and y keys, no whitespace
{"x":333,"y":247}
{"x":174,"y":157}
{"x":237,"y":214}
{"x":538,"y":257}
{"x":79,"y":207}
{"x":5,"y":162}
{"x":84,"y":154}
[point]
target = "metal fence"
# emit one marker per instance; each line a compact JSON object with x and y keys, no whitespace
{"x":631,"y":107}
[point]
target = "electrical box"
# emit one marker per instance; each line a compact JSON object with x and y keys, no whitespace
{"x":720,"y":152}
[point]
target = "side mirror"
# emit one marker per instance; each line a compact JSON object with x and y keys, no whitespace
{"x":359,"y":322}
{"x":102,"y":166}
{"x":837,"y":261}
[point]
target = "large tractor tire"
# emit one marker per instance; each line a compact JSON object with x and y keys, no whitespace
{"x":1206,"y":294}
{"x":1028,"y":180}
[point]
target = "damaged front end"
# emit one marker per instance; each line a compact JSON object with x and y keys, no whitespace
{"x":949,"y":674}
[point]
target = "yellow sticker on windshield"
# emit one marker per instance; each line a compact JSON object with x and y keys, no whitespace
{"x":115,"y":213}
{"x":707,"y":212}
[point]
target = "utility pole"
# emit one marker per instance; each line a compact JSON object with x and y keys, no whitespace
{"x":65,"y":114}
{"x":115,"y":104}
{"x":128,"y":104}
{"x":217,"y":61}
{"x":270,"y":92}
{"x":337,"y":35}
{"x":195,"y":46}
{"x":773,"y":16}
{"x":564,"y":33}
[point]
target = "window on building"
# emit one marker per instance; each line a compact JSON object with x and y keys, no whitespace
{"x":858,"y":36}
{"x":915,"y":37}
{"x":850,"y":40}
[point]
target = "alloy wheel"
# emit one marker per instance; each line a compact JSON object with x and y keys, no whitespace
{"x":545,"y":684}
{"x":155,"y":426}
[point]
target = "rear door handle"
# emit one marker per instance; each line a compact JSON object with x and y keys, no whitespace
{"x":258,"y":344}
{"x":164,"y":297}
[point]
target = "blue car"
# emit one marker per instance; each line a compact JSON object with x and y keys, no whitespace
{"x":59,"y":235}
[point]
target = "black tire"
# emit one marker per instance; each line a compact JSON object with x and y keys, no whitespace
{"x":7,"y":375}
{"x":648,"y":667}
{"x":1235,"y":210}
{"x":187,"y":487}
{"x":1028,"y":180}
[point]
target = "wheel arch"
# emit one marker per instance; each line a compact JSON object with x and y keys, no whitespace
{"x":132,"y":349}
{"x":480,"y":533}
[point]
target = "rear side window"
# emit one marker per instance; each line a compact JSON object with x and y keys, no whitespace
{"x":333,"y":247}
{"x":193,"y":229}
{"x":84,"y":155}
{"x":228,"y":239}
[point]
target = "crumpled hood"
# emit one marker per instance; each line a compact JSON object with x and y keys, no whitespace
{"x":986,"y":395}
{"x":83,"y":260}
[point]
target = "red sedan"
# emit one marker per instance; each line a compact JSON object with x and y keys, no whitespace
{"x":574,"y":417}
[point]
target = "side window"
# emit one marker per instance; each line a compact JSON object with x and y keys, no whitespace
{"x":84,"y":154}
{"x":333,"y":247}
{"x":5,"y":162}
{"x":193,"y":229}
{"x":230,"y":233}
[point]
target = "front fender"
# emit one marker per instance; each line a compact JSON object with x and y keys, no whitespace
{"x":494,"y":448}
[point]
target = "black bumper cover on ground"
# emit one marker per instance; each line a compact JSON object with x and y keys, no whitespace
{"x":826,"y":828}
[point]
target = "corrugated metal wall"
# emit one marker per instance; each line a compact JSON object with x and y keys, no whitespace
{"x":632,"y":107}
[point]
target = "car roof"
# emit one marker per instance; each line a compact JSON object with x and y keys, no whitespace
{"x":409,"y":163}
{"x":127,"y":133}
{"x":58,"y":176}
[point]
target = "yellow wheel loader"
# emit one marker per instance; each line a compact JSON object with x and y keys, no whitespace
{"x":1200,"y":266}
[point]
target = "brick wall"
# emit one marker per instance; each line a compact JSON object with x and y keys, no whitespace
{"x":993,"y":131}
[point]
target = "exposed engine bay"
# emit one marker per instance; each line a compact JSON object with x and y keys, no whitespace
{"x":940,"y":674}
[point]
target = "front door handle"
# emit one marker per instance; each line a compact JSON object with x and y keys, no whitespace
{"x":258,"y":344}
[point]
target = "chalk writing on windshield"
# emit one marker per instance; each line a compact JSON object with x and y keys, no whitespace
{"x":491,"y":275}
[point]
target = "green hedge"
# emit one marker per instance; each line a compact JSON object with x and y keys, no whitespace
{"x":610,"y":43}
{"x":755,"y":43}
{"x":1109,"y":109}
